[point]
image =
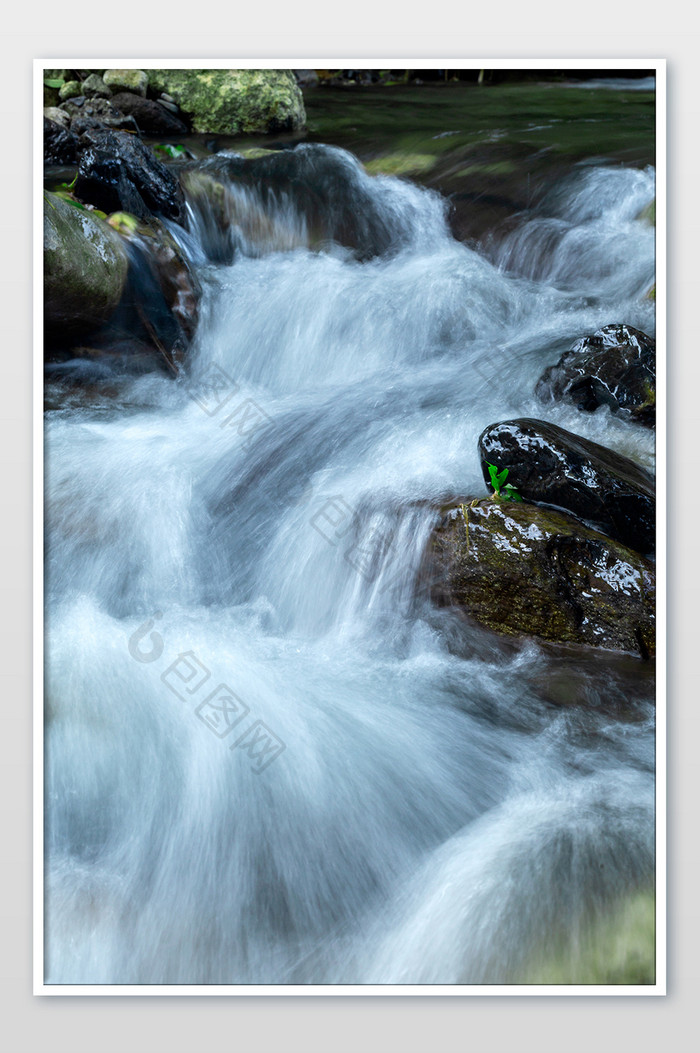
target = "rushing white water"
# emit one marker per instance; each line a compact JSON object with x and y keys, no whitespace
{"x":403,"y":804}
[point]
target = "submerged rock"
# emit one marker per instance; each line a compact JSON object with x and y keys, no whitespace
{"x":614,"y":367}
{"x":557,"y":468}
{"x":234,"y":101}
{"x":118,"y":173}
{"x":320,"y":194}
{"x":160,"y":304}
{"x":85,"y":269}
{"x":519,"y":569}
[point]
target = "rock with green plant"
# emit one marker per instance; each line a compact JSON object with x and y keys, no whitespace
{"x":234,"y":101}
{"x":522,"y":570}
{"x":554,"y":467}
{"x":614,"y":367}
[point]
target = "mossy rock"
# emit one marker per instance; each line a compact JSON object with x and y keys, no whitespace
{"x":522,"y":570}
{"x":617,"y":948}
{"x":234,"y":101}
{"x":85,"y":269}
{"x":133,"y":80}
{"x":72,"y":89}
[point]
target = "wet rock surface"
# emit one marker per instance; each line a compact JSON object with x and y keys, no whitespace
{"x":614,"y":367}
{"x":60,"y":145}
{"x":85,"y":268}
{"x":160,"y":304}
{"x":328,"y":189}
{"x":554,"y":467}
{"x":118,"y":173}
{"x":522,"y":570}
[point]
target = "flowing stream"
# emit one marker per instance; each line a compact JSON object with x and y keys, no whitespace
{"x":269,"y":759}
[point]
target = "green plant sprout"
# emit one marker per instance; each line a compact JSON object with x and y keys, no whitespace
{"x":170,"y":150}
{"x":501,"y":493}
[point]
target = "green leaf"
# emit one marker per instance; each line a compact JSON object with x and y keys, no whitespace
{"x":493,"y":473}
{"x":171,"y":151}
{"x":54,"y":83}
{"x":501,"y":477}
{"x":65,"y":196}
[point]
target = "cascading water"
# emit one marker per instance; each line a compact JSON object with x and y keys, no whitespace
{"x":268,"y":759}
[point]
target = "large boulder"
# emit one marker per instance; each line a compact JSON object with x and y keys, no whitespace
{"x":614,"y":367}
{"x":85,"y":268}
{"x":119,"y":173}
{"x":522,"y":570}
{"x":556,"y":468}
{"x":234,"y":101}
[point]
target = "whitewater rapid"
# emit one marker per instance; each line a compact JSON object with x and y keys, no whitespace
{"x":268,"y":758}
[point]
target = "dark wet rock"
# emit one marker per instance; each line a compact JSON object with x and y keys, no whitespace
{"x":123,"y":80}
{"x":614,"y":367}
{"x":60,"y":145}
{"x":95,"y":113}
{"x":151,"y":117}
{"x":160,"y":304}
{"x":522,"y":570}
{"x":556,"y":468}
{"x":234,"y":101}
{"x":118,"y":173}
{"x":85,"y":269}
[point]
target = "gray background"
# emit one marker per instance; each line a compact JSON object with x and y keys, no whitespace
{"x":368,"y":29}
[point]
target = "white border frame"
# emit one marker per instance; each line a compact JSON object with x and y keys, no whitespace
{"x":336,"y":990}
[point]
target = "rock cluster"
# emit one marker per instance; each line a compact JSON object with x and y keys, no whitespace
{"x":122,"y":287}
{"x":564,"y":552}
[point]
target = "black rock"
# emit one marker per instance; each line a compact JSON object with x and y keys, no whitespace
{"x":614,"y":367}
{"x":118,"y":173}
{"x":556,"y":468}
{"x":151,"y":117}
{"x":60,"y":145}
